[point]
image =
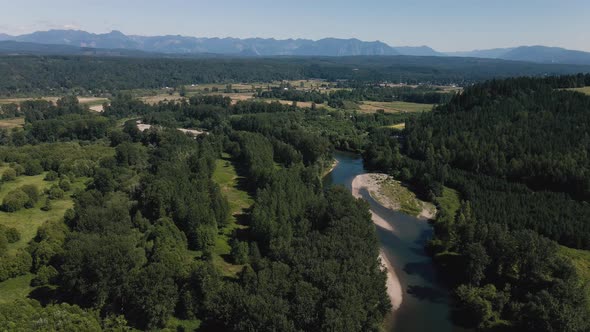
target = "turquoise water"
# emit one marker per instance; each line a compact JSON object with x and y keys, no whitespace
{"x":425,"y":305}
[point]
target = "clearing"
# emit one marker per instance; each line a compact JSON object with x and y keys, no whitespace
{"x":239,"y":200}
{"x":12,"y":123}
{"x":449,"y":201}
{"x":585,"y":90}
{"x":581,"y":260}
{"x":394,"y":107}
{"x":27,"y":221}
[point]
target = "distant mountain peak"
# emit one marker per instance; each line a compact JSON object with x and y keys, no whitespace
{"x":330,"y":46}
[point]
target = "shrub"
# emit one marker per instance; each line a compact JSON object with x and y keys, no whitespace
{"x":239,"y":251}
{"x":20,"y":170}
{"x":15,"y":200}
{"x":51,"y":176}
{"x":47,"y":205}
{"x":9,"y":175}
{"x":12,"y":235}
{"x":45,"y":276}
{"x":65,"y":185}
{"x":33,"y":167}
{"x":55,"y":192}
{"x":33,"y":192}
{"x":12,"y":266}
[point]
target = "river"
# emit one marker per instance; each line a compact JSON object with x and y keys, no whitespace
{"x":425,"y":305}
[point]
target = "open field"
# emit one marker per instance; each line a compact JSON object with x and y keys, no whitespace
{"x":399,"y":126}
{"x":394,"y":107}
{"x":27,"y":221}
{"x":581,"y":260}
{"x":12,"y":123}
{"x":91,"y":101}
{"x":449,"y":201}
{"x":585,"y":90}
{"x":17,"y":288}
{"x":152,"y":100}
{"x":226,"y":177}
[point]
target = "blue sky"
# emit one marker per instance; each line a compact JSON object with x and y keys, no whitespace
{"x":445,"y":25}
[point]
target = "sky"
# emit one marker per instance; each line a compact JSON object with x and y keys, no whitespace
{"x":445,"y":25}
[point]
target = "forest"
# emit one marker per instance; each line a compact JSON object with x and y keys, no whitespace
{"x":358,"y":92}
{"x":106,"y":227}
{"x":515,"y":151}
{"x":139,"y":246}
{"x":87,"y":75}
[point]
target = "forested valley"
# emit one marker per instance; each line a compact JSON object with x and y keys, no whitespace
{"x":108,"y":227}
{"x":139,"y":247}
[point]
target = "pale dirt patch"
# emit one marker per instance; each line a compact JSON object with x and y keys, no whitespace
{"x":394,"y":287}
{"x":97,"y":108}
{"x":12,"y":123}
{"x":153,"y":100}
{"x":193,"y":132}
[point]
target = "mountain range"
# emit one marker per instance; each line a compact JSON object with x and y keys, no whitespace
{"x":120,"y":44}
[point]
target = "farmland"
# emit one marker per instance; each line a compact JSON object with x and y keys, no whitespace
{"x":394,"y":107}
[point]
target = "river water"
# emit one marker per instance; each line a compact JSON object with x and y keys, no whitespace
{"x":425,"y":305}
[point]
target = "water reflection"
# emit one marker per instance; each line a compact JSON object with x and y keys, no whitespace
{"x":425,"y":303}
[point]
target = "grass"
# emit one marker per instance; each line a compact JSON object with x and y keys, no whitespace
{"x":449,"y":201}
{"x":27,"y":221}
{"x":585,"y":90}
{"x":394,"y":107}
{"x":16,"y":288}
{"x":581,"y":261}
{"x":12,"y":123}
{"x":176,"y":324}
{"x":227,"y":178}
{"x":398,"y":126}
{"x":395,"y":192}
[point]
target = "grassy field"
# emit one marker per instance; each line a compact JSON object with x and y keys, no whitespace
{"x":581,"y":260}
{"x":226,"y":177}
{"x":16,"y":288}
{"x":394,"y":107}
{"x":585,"y":90}
{"x":399,"y":126}
{"x":27,"y":221}
{"x":12,"y":123}
{"x":449,"y":201}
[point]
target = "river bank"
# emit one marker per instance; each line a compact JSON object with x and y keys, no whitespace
{"x":372,"y":184}
{"x":422,"y":302}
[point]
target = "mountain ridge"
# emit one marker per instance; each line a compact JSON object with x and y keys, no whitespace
{"x":252,"y":47}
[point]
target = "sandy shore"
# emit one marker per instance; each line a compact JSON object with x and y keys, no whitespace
{"x":394,"y":287}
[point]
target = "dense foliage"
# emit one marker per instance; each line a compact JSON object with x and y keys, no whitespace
{"x":509,"y":149}
{"x":97,"y":75}
{"x":140,"y":245}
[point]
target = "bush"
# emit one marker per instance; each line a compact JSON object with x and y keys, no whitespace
{"x":20,"y":170}
{"x":15,"y":200}
{"x":13,"y":266}
{"x":3,"y":244}
{"x":51,"y":176}
{"x":239,"y":251}
{"x":55,"y":192}
{"x":65,"y":185}
{"x":47,"y":205}
{"x":9,"y":175}
{"x":33,"y":167}
{"x":33,"y":192}
{"x":12,"y":235}
{"x":45,"y":276}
